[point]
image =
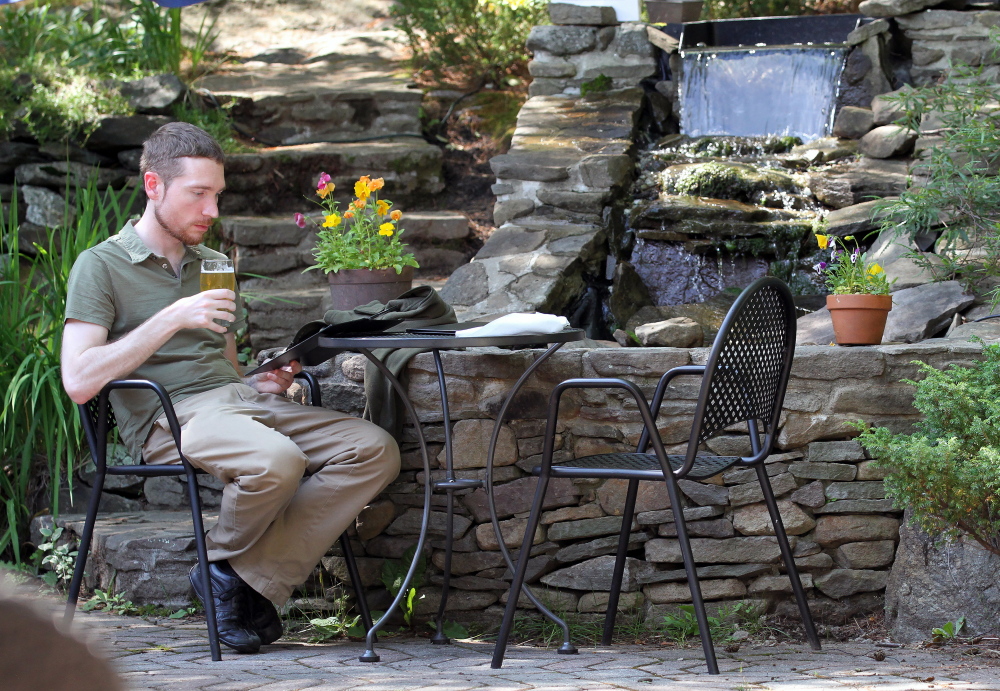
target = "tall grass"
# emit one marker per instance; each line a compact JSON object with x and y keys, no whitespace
{"x":40,"y":435}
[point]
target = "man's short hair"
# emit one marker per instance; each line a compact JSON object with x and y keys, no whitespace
{"x":161,"y":153}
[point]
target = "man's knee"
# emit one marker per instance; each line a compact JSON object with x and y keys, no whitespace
{"x":278,"y":469}
{"x":384,"y":449}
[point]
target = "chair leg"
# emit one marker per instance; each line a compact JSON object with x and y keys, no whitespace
{"x":616,"y":580}
{"x":786,"y":556}
{"x":206,"y":581}
{"x":83,"y":551}
{"x":692,"y":576}
{"x":519,"y":572}
{"x":352,"y":572}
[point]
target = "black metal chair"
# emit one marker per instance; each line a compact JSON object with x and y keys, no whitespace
{"x":744,"y":381}
{"x":98,"y":421}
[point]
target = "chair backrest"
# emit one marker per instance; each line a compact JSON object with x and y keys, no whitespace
{"x":748,"y":367}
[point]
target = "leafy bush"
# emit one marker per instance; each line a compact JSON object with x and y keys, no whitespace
{"x":40,"y":435}
{"x":948,"y":471}
{"x":960,"y":193}
{"x":469,"y":39}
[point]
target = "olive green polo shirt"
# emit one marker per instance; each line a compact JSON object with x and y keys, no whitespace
{"x":119,"y":284}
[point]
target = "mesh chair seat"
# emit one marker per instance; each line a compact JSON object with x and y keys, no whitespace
{"x":637,"y":466}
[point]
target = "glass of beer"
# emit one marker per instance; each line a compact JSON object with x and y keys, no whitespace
{"x":217,"y":273}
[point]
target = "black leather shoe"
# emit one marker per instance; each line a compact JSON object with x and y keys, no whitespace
{"x":232,"y":606}
{"x":264,"y":619}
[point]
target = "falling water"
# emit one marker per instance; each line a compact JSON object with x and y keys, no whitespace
{"x":783,"y":90}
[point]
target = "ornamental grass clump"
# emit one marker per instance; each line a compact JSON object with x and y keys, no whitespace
{"x":849,"y":272}
{"x":947,"y":473}
{"x":364,"y":236}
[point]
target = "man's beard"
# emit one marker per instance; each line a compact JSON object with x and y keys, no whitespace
{"x":179,"y":235}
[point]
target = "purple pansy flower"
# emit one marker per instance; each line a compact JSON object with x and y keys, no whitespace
{"x":300,"y":220}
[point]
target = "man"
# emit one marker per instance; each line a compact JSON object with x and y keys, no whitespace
{"x":295,"y":476}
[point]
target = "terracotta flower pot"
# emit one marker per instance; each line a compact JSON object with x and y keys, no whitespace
{"x":352,"y":287}
{"x":859,"y":319}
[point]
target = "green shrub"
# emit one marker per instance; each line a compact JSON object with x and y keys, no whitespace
{"x":948,"y":471}
{"x":40,"y":435}
{"x":469,"y":39}
{"x":959,"y":195}
{"x":68,"y":106}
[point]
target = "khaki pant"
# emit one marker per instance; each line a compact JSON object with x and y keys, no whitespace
{"x":296,"y":477}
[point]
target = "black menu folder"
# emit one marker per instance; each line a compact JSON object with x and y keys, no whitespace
{"x":306,"y":350}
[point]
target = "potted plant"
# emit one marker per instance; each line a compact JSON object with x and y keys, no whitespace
{"x":860,"y":303}
{"x":360,"y":249}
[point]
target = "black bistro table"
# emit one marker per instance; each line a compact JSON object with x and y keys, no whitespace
{"x":328,"y":346}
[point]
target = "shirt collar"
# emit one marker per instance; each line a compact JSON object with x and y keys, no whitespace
{"x":138,"y":252}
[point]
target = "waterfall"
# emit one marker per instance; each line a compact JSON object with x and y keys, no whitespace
{"x":780,"y":90}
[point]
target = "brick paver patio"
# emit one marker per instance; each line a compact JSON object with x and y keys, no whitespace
{"x":171,"y":654}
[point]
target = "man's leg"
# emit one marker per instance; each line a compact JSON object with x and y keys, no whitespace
{"x":349,"y":462}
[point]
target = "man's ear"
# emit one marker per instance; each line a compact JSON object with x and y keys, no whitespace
{"x":154,"y":185}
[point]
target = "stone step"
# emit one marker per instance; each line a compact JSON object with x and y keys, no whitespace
{"x":330,"y":98}
{"x":283,"y":179}
{"x":274,"y":247}
{"x":145,"y":555}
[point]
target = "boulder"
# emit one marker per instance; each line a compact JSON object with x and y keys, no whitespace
{"x":567,"y":13}
{"x":629,"y":293}
{"x":117,"y":132}
{"x":932,"y":583}
{"x":815,"y":328}
{"x":14,"y":154}
{"x":594,"y":574}
{"x":857,"y":220}
{"x":679,"y":332}
{"x":844,"y":582}
{"x":57,"y":173}
{"x":45,"y":207}
{"x":852,"y":183}
{"x":885,"y":111}
{"x":562,"y":40}
{"x":921,"y":312}
{"x":754,"y":519}
{"x":908,"y":272}
{"x":853,"y":122}
{"x":987,"y":330}
{"x":894,"y":8}
{"x":153,"y":95}
{"x":887,"y":141}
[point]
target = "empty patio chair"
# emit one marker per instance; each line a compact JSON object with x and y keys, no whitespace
{"x":743,"y":381}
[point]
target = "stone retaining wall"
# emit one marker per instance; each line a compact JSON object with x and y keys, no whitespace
{"x":844,"y":531}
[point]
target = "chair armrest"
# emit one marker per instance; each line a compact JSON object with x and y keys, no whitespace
{"x":155,"y":387}
{"x":647,"y":416}
{"x":315,"y":395}
{"x":661,"y":391}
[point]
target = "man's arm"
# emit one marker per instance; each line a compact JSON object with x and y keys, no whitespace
{"x":89,"y":361}
{"x":274,"y":381}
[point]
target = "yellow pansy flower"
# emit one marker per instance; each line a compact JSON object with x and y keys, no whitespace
{"x":332,"y":221}
{"x":325,"y":190}
{"x":381,"y":207}
{"x":361,"y":189}
{"x":875,"y":269}
{"x":823,"y":241}
{"x":385,"y":229}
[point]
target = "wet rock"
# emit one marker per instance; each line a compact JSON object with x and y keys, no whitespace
{"x":867,"y":31}
{"x":709,"y":314}
{"x":886,"y":111}
{"x":721,"y":180}
{"x":847,"y":184}
{"x":629,"y":293}
{"x":921,"y":312}
{"x":153,"y":95}
{"x":858,"y":220}
{"x":934,"y":583}
{"x":678,"y":332}
{"x":887,"y":141}
{"x":853,"y":122}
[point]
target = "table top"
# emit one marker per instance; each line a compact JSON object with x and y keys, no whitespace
{"x":408,"y":340}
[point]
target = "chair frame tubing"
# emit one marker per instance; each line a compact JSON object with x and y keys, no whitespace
{"x":649,"y":413}
{"x":97,"y":440}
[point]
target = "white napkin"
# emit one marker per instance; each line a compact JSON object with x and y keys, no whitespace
{"x":518,"y":324}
